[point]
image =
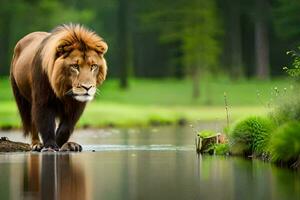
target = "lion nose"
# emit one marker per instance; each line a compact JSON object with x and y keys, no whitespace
{"x":86,"y":86}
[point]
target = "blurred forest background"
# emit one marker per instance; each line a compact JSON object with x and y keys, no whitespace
{"x":164,"y":38}
{"x":173,"y":39}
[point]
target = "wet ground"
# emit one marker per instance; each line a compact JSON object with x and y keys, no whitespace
{"x":153,"y":163}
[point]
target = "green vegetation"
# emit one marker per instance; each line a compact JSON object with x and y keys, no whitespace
{"x":251,"y":135}
{"x":285,"y":143}
{"x":154,"y":38}
{"x":276,"y":136}
{"x":206,"y":133}
{"x":152,"y":102}
{"x":172,"y":92}
{"x":199,"y":41}
{"x":218,"y":149}
{"x":222,"y":149}
{"x":287,"y":109}
{"x":294,"y":71}
{"x":99,"y":114}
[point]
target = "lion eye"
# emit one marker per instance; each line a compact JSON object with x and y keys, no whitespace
{"x":75,"y":67}
{"x":94,"y":67}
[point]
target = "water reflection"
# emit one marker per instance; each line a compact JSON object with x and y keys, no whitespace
{"x":141,"y":164}
{"x":142,"y":174}
{"x":53,"y":176}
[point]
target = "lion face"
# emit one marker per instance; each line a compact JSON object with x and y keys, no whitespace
{"x":79,"y":74}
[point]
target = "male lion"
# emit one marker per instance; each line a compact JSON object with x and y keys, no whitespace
{"x":53,"y":75}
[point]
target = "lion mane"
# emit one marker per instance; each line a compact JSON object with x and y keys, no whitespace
{"x":64,"y":39}
{"x":40,"y":80}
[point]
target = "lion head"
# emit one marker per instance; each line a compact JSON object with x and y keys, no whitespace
{"x":73,"y":59}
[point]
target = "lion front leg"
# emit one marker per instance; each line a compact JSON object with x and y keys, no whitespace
{"x":63,"y":134}
{"x":44,"y":119}
{"x":71,"y":146}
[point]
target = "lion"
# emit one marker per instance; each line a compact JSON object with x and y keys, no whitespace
{"x":53,"y":75}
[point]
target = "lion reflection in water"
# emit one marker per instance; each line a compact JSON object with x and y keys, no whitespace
{"x":54,"y":177}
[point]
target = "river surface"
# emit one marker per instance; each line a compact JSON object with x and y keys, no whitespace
{"x":153,"y":163}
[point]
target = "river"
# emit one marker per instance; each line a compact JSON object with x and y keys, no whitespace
{"x":148,"y":163}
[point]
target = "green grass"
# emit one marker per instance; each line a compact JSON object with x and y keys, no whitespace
{"x":179,"y":92}
{"x":251,"y":135}
{"x":161,"y":101}
{"x":285,"y":144}
{"x":100,"y":114}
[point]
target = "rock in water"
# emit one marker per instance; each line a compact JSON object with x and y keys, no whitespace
{"x":9,"y":146}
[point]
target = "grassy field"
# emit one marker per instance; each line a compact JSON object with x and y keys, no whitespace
{"x":150,"y":102}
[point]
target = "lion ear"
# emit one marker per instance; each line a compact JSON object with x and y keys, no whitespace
{"x":101,"y":47}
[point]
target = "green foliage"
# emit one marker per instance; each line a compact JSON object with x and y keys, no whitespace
{"x":294,"y":71}
{"x":251,"y":135}
{"x":287,"y":18}
{"x":285,"y":143}
{"x":222,"y":149}
{"x":287,"y":109}
{"x":207,"y":133}
{"x":218,"y":149}
{"x":192,"y":24}
{"x":20,"y":17}
{"x":181,"y":34}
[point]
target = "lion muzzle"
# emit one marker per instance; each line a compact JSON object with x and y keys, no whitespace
{"x":84,"y":92}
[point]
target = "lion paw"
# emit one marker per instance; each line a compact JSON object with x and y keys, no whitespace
{"x":50,"y":147}
{"x":71,"y":146}
{"x":36,"y":146}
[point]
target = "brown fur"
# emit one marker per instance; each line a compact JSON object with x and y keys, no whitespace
{"x":48,"y":72}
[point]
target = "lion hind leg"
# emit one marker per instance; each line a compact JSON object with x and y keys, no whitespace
{"x":24,"y":107}
{"x":36,"y":144}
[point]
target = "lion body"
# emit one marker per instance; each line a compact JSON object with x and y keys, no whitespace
{"x":43,"y":76}
{"x":24,"y":53}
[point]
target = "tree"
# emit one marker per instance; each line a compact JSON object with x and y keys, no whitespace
{"x":195,"y":27}
{"x":20,"y":17}
{"x":262,"y":39}
{"x":287,"y":19}
{"x":233,"y":36}
{"x":123,"y":42}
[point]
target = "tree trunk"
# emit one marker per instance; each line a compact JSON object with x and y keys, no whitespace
{"x":262,"y":40}
{"x":4,"y":46}
{"x":196,"y":82}
{"x":235,"y":44}
{"x":122,"y":41}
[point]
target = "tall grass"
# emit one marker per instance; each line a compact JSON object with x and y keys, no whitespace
{"x":286,"y":109}
{"x":251,"y":135}
{"x":284,"y":145}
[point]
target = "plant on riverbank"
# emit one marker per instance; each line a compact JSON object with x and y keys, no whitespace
{"x":208,"y":141}
{"x":284,"y":145}
{"x":278,"y":135}
{"x":250,"y":136}
{"x":287,"y":109}
{"x":294,"y":71}
{"x":218,"y":149}
{"x":222,"y":149}
{"x":207,"y":133}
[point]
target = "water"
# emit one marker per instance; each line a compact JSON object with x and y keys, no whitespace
{"x":139,"y":164}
